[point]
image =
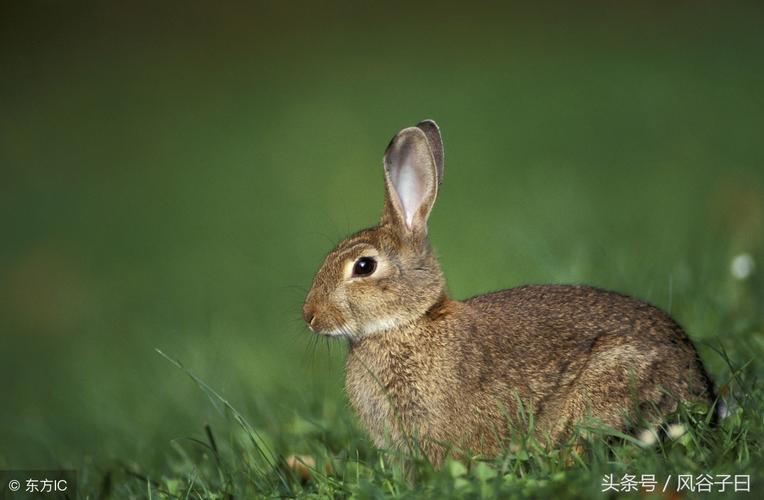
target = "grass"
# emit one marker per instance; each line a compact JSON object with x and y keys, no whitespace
{"x":172,"y":177}
{"x":245,"y":463}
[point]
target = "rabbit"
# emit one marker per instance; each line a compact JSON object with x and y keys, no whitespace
{"x":455,"y":374}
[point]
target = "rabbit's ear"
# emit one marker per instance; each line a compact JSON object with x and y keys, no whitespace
{"x":411,"y":180}
{"x":435,"y":141}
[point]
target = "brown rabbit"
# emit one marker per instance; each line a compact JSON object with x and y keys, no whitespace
{"x":453,"y":373}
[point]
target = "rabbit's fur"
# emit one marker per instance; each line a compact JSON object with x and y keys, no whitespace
{"x":454,"y":373}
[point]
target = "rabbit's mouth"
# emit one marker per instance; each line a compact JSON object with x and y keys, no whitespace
{"x":374,"y":327}
{"x":322,"y":324}
{"x":322,"y":320}
{"x":341,"y":332}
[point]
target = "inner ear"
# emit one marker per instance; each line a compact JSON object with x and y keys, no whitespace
{"x":411,"y":177}
{"x":409,"y":183}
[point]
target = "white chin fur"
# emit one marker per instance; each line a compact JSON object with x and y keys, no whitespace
{"x":380,"y":325}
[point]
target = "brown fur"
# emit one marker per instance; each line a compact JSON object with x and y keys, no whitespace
{"x":449,"y":373}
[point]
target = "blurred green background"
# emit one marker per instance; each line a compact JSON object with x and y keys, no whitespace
{"x":172,"y":175}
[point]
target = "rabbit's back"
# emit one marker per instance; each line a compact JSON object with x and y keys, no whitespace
{"x":559,"y":341}
{"x":563,"y":321}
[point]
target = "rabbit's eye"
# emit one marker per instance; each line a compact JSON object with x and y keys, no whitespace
{"x":364,"y":266}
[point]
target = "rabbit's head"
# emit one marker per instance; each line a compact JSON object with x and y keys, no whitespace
{"x":388,"y":275}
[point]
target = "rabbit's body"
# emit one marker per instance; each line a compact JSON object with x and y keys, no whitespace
{"x":458,"y":374}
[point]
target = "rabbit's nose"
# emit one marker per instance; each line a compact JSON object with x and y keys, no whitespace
{"x":309,"y":316}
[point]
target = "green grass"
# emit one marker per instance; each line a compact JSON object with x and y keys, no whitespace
{"x":171,"y":178}
{"x":246,"y":464}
